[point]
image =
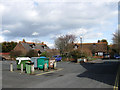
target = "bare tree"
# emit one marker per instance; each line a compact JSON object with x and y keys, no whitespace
{"x":64,"y":43}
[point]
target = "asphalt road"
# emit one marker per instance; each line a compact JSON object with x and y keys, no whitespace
{"x":86,"y":75}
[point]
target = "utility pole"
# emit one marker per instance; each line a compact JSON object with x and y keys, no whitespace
{"x":118,"y":42}
{"x":81,"y":41}
{"x":81,"y":44}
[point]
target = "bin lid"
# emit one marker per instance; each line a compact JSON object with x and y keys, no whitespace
{"x":34,"y":57}
{"x":42,"y":57}
{"x":22,"y":58}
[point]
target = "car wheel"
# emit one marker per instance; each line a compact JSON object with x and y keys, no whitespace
{"x":3,"y":59}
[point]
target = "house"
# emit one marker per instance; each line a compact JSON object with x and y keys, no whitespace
{"x":52,"y":52}
{"x":25,"y":47}
{"x":97,"y":50}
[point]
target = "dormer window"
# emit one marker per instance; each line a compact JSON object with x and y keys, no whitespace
{"x":43,"y":47}
{"x":75,"y":46}
{"x":94,"y":45}
{"x":32,"y":46}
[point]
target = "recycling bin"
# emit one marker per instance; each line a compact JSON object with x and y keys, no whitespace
{"x":41,"y":61}
{"x":28,"y":67}
{"x":22,"y":60}
{"x":51,"y":63}
{"x":34,"y":59}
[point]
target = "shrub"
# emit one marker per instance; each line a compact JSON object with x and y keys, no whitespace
{"x":75,"y":54}
{"x":44,"y":54}
{"x":78,"y":54}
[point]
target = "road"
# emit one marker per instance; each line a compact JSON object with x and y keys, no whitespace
{"x":85,"y":75}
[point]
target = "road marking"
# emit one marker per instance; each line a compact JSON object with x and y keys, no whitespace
{"x":116,"y":80}
{"x":49,"y":72}
{"x":77,"y":63}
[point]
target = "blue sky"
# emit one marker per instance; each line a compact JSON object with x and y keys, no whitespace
{"x":46,"y":20}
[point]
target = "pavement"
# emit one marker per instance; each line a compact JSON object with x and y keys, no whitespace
{"x":100,"y":74}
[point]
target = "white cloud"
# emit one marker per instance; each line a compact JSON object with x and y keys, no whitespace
{"x":2,"y":8}
{"x":13,"y":26}
{"x":99,"y":34}
{"x":79,"y":31}
{"x":58,"y":17}
{"x":95,"y":35}
{"x":1,"y":38}
{"x":35,"y":33}
{"x":52,"y":27}
{"x":5,"y":31}
{"x":99,"y":1}
{"x":50,"y":45}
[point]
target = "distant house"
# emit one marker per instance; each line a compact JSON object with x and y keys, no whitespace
{"x":97,"y":49}
{"x":25,"y":47}
{"x":53,"y":52}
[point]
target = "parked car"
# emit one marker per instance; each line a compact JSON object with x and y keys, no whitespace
{"x":57,"y":58}
{"x":106,"y":56}
{"x":117,"y":56}
{"x":2,"y":58}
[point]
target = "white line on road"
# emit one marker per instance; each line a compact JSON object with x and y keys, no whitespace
{"x":49,"y":72}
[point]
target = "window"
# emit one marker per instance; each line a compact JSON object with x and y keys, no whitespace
{"x":76,"y":46}
{"x":100,"y":53}
{"x":39,"y":52}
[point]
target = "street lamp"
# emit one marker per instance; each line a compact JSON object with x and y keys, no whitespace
{"x":81,"y":41}
{"x":118,"y":41}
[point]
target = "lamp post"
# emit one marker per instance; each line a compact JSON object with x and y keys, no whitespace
{"x":118,"y":41}
{"x":81,"y":44}
{"x":81,"y":41}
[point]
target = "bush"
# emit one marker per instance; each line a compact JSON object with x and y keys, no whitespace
{"x":75,"y":54}
{"x":78,"y":54}
{"x":44,"y":54}
{"x":91,"y":58}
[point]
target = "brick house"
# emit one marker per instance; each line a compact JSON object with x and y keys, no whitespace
{"x":97,"y":50}
{"x":25,"y":47}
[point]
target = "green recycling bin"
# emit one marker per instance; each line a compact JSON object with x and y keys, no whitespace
{"x":28,"y":67}
{"x":22,"y":60}
{"x":41,"y":61}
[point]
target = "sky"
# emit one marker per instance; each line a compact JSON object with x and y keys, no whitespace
{"x":45,"y":20}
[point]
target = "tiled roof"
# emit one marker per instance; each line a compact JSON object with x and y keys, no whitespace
{"x":91,"y":43}
{"x":101,"y":46}
{"x":39,"y":47}
{"x":36,"y":47}
{"x":26,"y":46}
{"x":32,"y":43}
